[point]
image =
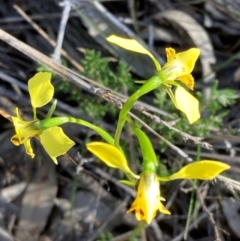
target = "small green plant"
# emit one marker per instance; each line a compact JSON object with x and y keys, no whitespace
{"x":96,"y":67}
{"x":105,"y":236}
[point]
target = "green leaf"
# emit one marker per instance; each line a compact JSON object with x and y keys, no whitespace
{"x":227,"y":97}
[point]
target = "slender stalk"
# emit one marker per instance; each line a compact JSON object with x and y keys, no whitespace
{"x":137,"y":231}
{"x":148,"y":86}
{"x":34,"y":114}
{"x":191,"y":204}
{"x":107,"y":137}
{"x":51,"y":110}
{"x":122,"y":116}
{"x":57,"y":121}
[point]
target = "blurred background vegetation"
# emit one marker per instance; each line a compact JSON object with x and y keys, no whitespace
{"x":40,"y":201}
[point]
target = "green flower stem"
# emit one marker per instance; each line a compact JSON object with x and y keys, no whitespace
{"x":34,"y":114}
{"x":137,"y":231}
{"x":170,"y":93}
{"x":56,"y":121}
{"x":51,"y":110}
{"x":149,"y":156}
{"x":148,"y":86}
{"x":164,"y":179}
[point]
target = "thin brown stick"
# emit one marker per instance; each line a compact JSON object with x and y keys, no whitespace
{"x":65,"y":16}
{"x":76,"y":78}
{"x":226,"y":158}
{"x":210,"y":216}
{"x":86,"y":83}
{"x":191,"y":226}
{"x":46,"y":37}
{"x":230,"y":183}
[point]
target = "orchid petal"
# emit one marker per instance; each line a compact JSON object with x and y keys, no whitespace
{"x":170,"y":53}
{"x":203,"y":170}
{"x":132,"y":45}
{"x":15,"y":140}
{"x":188,"y":59}
{"x":55,"y":142}
{"x":111,"y":156}
{"x":183,"y":61}
{"x":188,"y":80}
{"x":24,"y":129}
{"x":40,"y":89}
{"x":180,"y":64}
{"x":188,"y":104}
{"x":162,"y":209}
{"x":29,"y":149}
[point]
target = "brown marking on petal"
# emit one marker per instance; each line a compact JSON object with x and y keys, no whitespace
{"x":170,"y":52}
{"x":15,"y":140}
{"x":187,"y":80}
{"x":190,"y":84}
{"x":139,"y":214}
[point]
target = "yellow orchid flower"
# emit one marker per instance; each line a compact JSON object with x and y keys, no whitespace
{"x":178,"y":67}
{"x":25,"y":130}
{"x":47,"y":130}
{"x":53,"y":139}
{"x":148,"y":200}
